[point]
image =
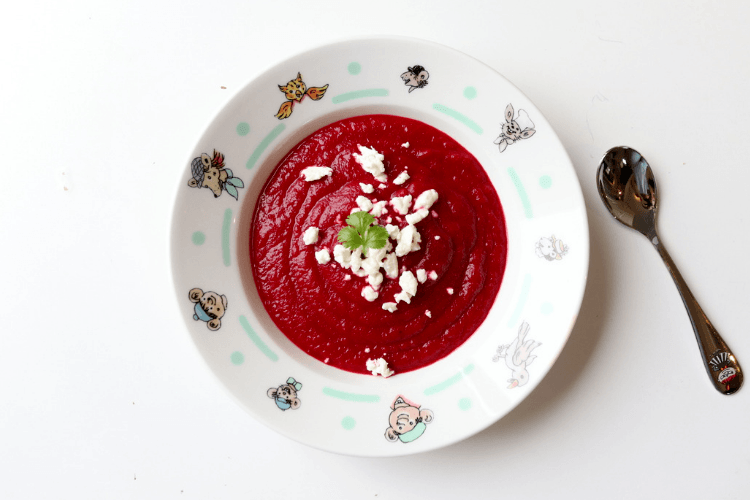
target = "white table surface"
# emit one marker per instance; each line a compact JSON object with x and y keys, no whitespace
{"x":103,"y":395}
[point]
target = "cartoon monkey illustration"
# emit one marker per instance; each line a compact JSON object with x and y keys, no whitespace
{"x":209,"y":307}
{"x":415,"y":77}
{"x":514,"y":129}
{"x":285,"y":395}
{"x":296,"y":90}
{"x":407,"y":421}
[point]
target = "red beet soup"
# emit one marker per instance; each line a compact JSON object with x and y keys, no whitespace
{"x":412,"y":302}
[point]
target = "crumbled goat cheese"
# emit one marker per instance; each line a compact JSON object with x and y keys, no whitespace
{"x":382,"y":186}
{"x":408,"y":283}
{"x":426,"y":199}
{"x":315,"y":173}
{"x":371,"y":162}
{"x":323,"y":256}
{"x":401,"y":204}
{"x":402,"y":296}
{"x":367,"y":188}
{"x":378,"y":209}
{"x":433,"y":275}
{"x":417,"y":216}
{"x":367,"y":349}
{"x":310,"y":235}
{"x":437,"y":237}
{"x":375,"y":280}
{"x":347,"y":277}
{"x":402,"y":177}
{"x":449,"y":290}
{"x":369,"y":293}
{"x":391,"y":266}
{"x":390,"y":307}
{"x":343,"y":256}
{"x":364,"y":204}
{"x":408,"y":241}
{"x":405,"y":145}
{"x":356,"y":259}
{"x":428,"y":313}
{"x":421,"y":275}
{"x":393,"y":231}
{"x":379,"y":367}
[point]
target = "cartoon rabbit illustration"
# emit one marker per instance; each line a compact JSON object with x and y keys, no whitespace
{"x":518,"y":356}
{"x":514,"y":129}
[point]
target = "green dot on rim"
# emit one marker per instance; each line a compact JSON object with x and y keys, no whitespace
{"x":237,"y":358}
{"x":470,"y":92}
{"x":354,"y":68}
{"x":243,"y":128}
{"x":464,"y":403}
{"x":545,"y":181}
{"x":348,"y":423}
{"x":199,"y":238}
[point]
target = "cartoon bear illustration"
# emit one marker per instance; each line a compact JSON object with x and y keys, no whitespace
{"x":415,"y":77}
{"x":514,"y":129}
{"x":551,"y":248}
{"x":211,"y":173}
{"x":285,"y":395}
{"x":408,"y":421}
{"x":209,"y":307}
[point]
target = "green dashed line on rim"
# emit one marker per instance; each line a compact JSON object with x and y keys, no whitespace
{"x":225,"y":237}
{"x":522,"y":297}
{"x":449,"y":382}
{"x":459,"y":116}
{"x":273,"y":134}
{"x":357,"y":94}
{"x":351,"y":396}
{"x":257,"y":340}
{"x":521,"y":193}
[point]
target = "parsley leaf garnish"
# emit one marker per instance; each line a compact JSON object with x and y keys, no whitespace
{"x":361,"y":233}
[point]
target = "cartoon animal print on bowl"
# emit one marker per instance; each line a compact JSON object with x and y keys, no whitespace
{"x":415,"y":77}
{"x":518,"y":356}
{"x":407,"y":421}
{"x":285,"y":395}
{"x":551,"y":248}
{"x":210,"y":172}
{"x":296,"y":90}
{"x":209,"y":307}
{"x":514,"y":129}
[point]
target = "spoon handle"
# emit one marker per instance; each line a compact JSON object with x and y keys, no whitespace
{"x":721,"y":364}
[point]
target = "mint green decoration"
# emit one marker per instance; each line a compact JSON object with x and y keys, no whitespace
{"x":243,"y":128}
{"x":547,"y":308}
{"x":523,"y":296}
{"x":358,"y":94}
{"x":237,"y":358}
{"x":257,"y":340}
{"x":464,"y":403}
{"x":354,"y":68}
{"x":469,"y":369}
{"x":273,"y":134}
{"x":449,"y":382}
{"x":350,"y":396}
{"x":348,"y":423}
{"x":470,"y":92}
{"x":521,"y":193}
{"x":545,"y":181}
{"x":198,"y":238}
{"x":459,"y":116}
{"x":225,"y":237}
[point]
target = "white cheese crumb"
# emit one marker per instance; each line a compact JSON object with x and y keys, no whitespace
{"x":356,"y":260}
{"x":417,"y":216}
{"x":408,"y":283}
{"x":347,"y":277}
{"x":364,"y":204}
{"x":426,"y":199}
{"x":390,"y":306}
{"x":393,"y":231}
{"x":371,"y":264}
{"x":371,"y":162}
{"x":323,"y":256}
{"x":379,"y":367}
{"x":378,"y":209}
{"x":367,"y":188}
{"x":437,"y":237}
{"x":428,"y":313}
{"x":315,"y":173}
{"x":401,"y":204}
{"x":343,"y":256}
{"x":310,"y":236}
{"x":402,"y":177}
{"x":402,"y":296}
{"x":433,"y":275}
{"x":375,"y":280}
{"x":326,"y":360}
{"x":367,"y":349}
{"x":449,"y":290}
{"x":408,"y":241}
{"x":382,"y":186}
{"x":369,"y":293}
{"x":421,"y":275}
{"x":405,"y":145}
{"x":390,"y":265}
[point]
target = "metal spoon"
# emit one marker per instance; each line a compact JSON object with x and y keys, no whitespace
{"x":628,"y":189}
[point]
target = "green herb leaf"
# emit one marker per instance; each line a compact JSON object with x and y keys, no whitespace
{"x":359,"y":233}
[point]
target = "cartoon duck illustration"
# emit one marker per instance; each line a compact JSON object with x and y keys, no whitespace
{"x":551,"y":248}
{"x":415,"y":77}
{"x":210,"y":172}
{"x":296,"y":90}
{"x":518,"y":356}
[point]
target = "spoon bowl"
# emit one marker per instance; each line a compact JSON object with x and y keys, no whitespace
{"x":627,"y":187}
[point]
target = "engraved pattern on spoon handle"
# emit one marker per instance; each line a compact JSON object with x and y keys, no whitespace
{"x":721,"y":364}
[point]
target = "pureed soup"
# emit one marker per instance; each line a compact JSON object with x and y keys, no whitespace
{"x":411,"y":302}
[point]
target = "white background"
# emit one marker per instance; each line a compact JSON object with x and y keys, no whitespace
{"x":102,"y":394}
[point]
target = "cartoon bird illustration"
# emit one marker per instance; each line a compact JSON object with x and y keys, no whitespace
{"x":518,"y":356}
{"x":415,"y":77}
{"x":296,"y":90}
